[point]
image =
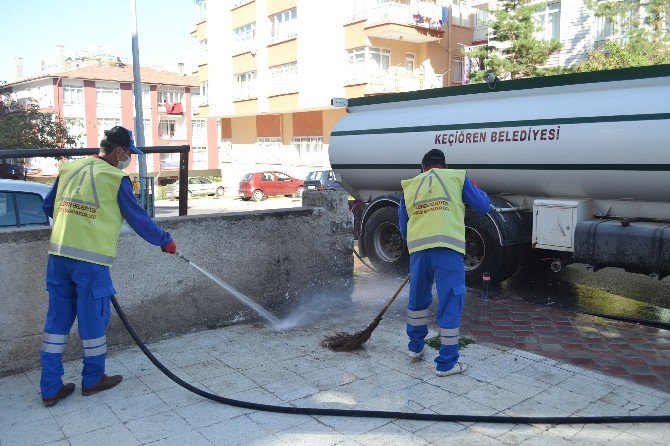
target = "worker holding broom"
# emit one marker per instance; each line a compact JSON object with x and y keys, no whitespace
{"x":431,"y":218}
{"x":88,"y":203}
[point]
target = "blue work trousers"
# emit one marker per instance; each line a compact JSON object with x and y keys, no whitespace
{"x":444,"y":267}
{"x":79,"y":290}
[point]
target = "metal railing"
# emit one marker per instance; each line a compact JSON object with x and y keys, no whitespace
{"x":57,"y":153}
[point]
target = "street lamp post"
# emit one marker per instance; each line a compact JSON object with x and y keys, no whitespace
{"x":139,"y":117}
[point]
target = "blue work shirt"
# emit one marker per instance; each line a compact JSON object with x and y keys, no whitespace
{"x":132,"y":212}
{"x":475,"y":198}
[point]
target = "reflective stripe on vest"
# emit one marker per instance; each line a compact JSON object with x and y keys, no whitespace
{"x":87,"y":218}
{"x":436,"y":210}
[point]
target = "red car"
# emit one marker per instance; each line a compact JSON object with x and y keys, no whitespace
{"x":259,"y":185}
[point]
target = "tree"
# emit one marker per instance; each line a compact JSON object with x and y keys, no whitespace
{"x":24,"y":126}
{"x":639,"y":33}
{"x":514,"y":50}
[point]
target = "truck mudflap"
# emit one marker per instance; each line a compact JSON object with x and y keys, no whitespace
{"x":514,"y":226}
{"x":639,"y":247}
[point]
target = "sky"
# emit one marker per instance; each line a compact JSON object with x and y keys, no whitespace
{"x":31,"y":29}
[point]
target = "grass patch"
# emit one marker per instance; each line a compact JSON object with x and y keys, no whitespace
{"x":434,"y":342}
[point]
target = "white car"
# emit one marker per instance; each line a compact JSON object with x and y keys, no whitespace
{"x":198,"y":186}
{"x":21,"y":204}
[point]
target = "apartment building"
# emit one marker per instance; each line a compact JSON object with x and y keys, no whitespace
{"x":270,"y":68}
{"x":93,"y":98}
{"x":574,"y":25}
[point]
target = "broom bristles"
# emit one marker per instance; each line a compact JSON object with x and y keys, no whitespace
{"x":345,"y":342}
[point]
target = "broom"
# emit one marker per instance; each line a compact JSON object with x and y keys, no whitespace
{"x":345,"y":342}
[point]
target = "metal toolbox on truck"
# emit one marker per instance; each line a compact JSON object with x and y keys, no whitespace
{"x":555,"y":220}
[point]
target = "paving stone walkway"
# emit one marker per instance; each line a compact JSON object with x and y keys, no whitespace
{"x":252,"y":362}
{"x":635,"y":352}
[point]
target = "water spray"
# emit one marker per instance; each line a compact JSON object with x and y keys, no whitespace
{"x":262,"y":312}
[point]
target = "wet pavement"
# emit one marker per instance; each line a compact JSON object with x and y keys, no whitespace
{"x":528,"y":360}
{"x":638,"y":353}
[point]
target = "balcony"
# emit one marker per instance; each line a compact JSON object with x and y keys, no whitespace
{"x":283,"y":85}
{"x":481,"y":34}
{"x":245,"y":91}
{"x":398,"y":80}
{"x":397,"y":21}
{"x":244,"y":42}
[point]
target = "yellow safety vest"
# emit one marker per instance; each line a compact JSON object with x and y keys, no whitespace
{"x":436,"y":210}
{"x":87,"y":218}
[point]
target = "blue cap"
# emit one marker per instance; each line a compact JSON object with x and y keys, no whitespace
{"x":132,"y":145}
{"x":123,"y":137}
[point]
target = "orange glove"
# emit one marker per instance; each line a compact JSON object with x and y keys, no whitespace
{"x":475,"y":183}
{"x":170,"y":248}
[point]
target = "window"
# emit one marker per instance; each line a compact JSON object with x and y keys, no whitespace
{"x":282,"y":176}
{"x":243,"y":38}
{"x":284,"y":77}
{"x":199,"y":157}
{"x":106,"y":124}
{"x":283,"y":25}
{"x":245,"y":85}
{"x":29,"y":208}
{"x":7,"y":210}
{"x":617,"y":29}
{"x":286,"y":70}
{"x":204,"y":90}
{"x":169,"y":161}
{"x":199,"y":127}
{"x":368,"y":62}
{"x":268,"y":149}
{"x":225,"y":151}
{"x":148,"y":133}
{"x":309,"y":148}
{"x":170,"y":95}
{"x":73,"y":95}
{"x":409,"y":62}
{"x":166,"y":128}
{"x":203,"y":52}
{"x":110,"y":96}
{"x":549,"y":20}
{"x":457,"y":70}
{"x":200,"y":10}
{"x":76,"y":129}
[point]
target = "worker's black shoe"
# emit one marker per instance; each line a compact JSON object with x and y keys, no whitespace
{"x":64,"y":391}
{"x":105,"y":383}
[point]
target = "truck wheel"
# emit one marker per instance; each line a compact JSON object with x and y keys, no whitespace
{"x":383,"y":241}
{"x":483,"y":253}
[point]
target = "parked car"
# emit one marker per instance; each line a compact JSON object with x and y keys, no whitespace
{"x":21,"y":204}
{"x":323,"y":180}
{"x":259,"y":185}
{"x":11,"y":171}
{"x":198,"y":186}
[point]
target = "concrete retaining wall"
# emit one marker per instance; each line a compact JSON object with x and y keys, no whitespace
{"x":273,"y":256}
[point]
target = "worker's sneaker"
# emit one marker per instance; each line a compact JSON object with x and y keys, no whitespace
{"x":105,"y":383}
{"x":458,"y":368}
{"x":416,"y":355}
{"x":64,"y":391}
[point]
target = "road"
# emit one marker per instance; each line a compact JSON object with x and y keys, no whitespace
{"x":211,"y":205}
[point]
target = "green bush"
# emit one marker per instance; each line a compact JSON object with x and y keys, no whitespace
{"x":161,"y":193}
{"x":215,"y":179}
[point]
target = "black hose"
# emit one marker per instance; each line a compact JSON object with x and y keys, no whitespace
{"x":380,"y":413}
{"x":370,"y":267}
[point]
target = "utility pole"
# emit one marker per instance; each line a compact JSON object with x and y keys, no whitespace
{"x":139,"y":117}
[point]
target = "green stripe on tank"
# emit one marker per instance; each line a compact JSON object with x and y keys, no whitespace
{"x":499,"y":124}
{"x":564,"y":167}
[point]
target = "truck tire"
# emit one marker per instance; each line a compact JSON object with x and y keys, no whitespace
{"x":483,"y":252}
{"x":383,"y":242}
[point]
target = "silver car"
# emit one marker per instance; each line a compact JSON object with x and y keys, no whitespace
{"x":198,"y":186}
{"x":21,"y":204}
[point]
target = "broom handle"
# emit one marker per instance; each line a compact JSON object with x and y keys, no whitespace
{"x":388,"y":304}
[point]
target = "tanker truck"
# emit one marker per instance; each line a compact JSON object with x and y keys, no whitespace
{"x":577,"y":168}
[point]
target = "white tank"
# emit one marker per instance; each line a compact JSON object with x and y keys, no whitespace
{"x":603,"y":135}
